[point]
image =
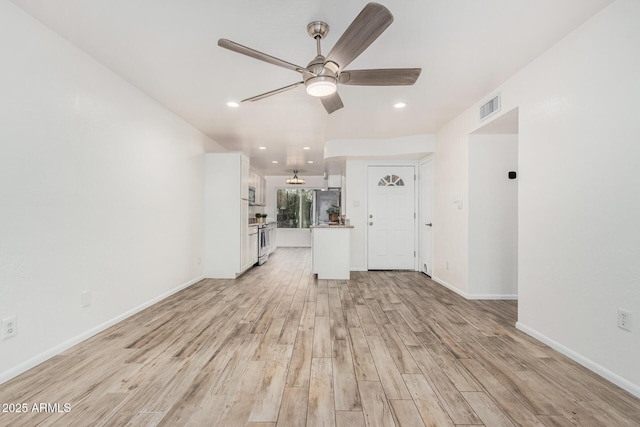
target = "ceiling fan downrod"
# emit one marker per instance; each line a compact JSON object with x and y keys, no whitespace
{"x":318,"y":30}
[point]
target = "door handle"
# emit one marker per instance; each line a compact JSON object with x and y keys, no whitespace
{"x":429,"y":225}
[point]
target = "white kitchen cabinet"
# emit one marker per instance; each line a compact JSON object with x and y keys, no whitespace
{"x":226,"y":210}
{"x":245,"y":176}
{"x":248,"y":233}
{"x":330,"y":252}
{"x":260,"y":184}
{"x":263,"y":190}
{"x":334,"y":181}
{"x":252,"y":243}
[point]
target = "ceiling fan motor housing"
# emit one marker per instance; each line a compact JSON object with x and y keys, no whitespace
{"x":320,"y":72}
{"x":318,"y":29}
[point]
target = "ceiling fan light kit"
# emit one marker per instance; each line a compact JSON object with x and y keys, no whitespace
{"x":321,"y":86}
{"x":322,"y":75}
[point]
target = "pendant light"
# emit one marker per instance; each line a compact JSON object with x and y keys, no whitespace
{"x":295,"y":180}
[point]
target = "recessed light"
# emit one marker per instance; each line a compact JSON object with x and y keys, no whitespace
{"x":399,"y":105}
{"x":274,"y":161}
{"x":233,"y":104}
{"x":262,"y":148}
{"x":309,"y":161}
{"x":306,"y":148}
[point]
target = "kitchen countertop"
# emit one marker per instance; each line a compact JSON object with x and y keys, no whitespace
{"x":268,"y":221}
{"x":331,"y":226}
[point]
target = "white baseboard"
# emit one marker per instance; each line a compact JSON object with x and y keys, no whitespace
{"x":468,"y":296}
{"x":587,"y":363}
{"x":46,"y":355}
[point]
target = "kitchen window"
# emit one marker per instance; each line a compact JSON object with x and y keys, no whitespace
{"x":294,"y":207}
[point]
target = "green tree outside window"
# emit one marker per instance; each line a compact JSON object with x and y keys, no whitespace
{"x":294,"y":207}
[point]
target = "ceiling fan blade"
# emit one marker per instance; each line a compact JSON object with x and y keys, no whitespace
{"x":273,"y":92}
{"x":228,"y":44}
{"x":332,"y":102}
{"x":381,"y":77}
{"x":367,"y":26}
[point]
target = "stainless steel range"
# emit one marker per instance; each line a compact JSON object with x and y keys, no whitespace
{"x":266,"y":236}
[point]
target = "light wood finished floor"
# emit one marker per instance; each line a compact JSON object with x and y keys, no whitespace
{"x":280,"y":348}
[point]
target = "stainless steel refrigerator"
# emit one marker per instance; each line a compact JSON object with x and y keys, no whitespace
{"x":323,"y":200}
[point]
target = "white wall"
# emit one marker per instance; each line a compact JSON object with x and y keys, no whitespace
{"x":493,"y":216}
{"x":101,"y":191}
{"x":579,"y":208}
{"x":289,"y":237}
{"x":450,"y":230}
{"x":356,"y":210}
{"x":401,"y":147}
{"x":577,"y":189}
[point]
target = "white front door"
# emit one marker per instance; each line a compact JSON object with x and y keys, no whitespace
{"x":391,"y":218}
{"x":426,"y":217}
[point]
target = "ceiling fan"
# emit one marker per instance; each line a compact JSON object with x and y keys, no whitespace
{"x":322,"y":75}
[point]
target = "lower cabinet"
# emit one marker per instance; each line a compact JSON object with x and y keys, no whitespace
{"x":330,"y":251}
{"x":253,"y":248}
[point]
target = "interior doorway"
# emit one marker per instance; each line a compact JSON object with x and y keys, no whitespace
{"x":493,"y":209}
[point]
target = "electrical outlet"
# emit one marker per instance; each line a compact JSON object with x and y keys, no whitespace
{"x":9,"y":327}
{"x":624,"y":319}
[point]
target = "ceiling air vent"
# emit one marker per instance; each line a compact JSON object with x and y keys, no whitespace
{"x":490,"y":107}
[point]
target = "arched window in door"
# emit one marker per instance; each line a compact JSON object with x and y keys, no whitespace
{"x":391,"y":181}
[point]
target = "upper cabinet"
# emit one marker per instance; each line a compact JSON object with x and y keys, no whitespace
{"x":334,"y":181}
{"x":246,"y":177}
{"x":261,"y":189}
{"x":260,"y":184}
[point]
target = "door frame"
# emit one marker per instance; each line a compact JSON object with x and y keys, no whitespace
{"x":416,"y":240}
{"x":421,"y":214}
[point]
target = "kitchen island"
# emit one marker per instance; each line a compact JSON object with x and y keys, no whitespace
{"x":330,"y":251}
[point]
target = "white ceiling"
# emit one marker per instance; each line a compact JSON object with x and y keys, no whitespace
{"x":168,"y":49}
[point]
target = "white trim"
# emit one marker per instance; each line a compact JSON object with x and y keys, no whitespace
{"x":419,"y":198}
{"x":48,"y":354}
{"x":504,"y":297}
{"x":587,"y":363}
{"x":468,"y":296}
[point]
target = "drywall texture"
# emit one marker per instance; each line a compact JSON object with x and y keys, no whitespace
{"x":578,"y":215}
{"x":101,"y":191}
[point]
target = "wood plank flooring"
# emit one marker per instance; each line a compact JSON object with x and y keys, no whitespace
{"x":278,"y":347}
